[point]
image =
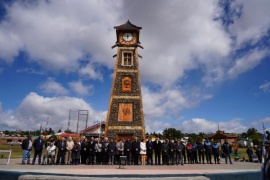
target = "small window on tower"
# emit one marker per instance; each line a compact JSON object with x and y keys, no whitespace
{"x":127,"y":59}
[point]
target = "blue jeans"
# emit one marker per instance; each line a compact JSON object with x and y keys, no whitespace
{"x":26,"y":155}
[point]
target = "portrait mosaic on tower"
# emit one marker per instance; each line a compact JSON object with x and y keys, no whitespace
{"x":125,"y":112}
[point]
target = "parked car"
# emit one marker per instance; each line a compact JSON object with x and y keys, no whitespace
{"x":14,"y":143}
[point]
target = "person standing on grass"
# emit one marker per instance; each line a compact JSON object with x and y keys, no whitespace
{"x":38,"y":147}
{"x":249,"y":153}
{"x":27,"y":148}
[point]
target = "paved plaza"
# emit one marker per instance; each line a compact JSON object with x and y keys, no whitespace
{"x":196,"y":171}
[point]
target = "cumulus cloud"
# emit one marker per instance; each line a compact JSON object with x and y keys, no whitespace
{"x":35,"y":109}
{"x":196,"y":125}
{"x":207,"y":126}
{"x":92,"y":72}
{"x":55,"y":35}
{"x":80,"y":88}
{"x":52,"y":87}
{"x":170,"y":102}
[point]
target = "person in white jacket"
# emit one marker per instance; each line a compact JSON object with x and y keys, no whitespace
{"x":50,"y":153}
{"x":143,"y":151}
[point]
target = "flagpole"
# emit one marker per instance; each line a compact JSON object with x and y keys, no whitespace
{"x":262,"y":176}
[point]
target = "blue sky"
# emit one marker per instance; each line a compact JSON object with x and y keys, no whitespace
{"x":205,"y":63}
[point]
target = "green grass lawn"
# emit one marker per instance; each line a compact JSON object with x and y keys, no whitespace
{"x":16,"y":151}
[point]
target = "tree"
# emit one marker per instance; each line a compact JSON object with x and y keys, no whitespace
{"x":253,"y":134}
{"x":50,"y":131}
{"x":172,"y":133}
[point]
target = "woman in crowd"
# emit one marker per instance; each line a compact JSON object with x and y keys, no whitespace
{"x":143,"y":151}
{"x":76,"y":153}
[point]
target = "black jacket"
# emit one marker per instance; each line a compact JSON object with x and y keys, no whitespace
{"x":136,"y":147}
{"x":25,"y":144}
{"x":157,"y":146}
{"x":91,"y":147}
{"x":149,"y":147}
{"x":226,"y":148}
{"x":127,"y":146}
{"x":38,"y":144}
{"x":62,"y":145}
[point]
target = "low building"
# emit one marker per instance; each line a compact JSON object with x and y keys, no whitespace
{"x":97,"y":130}
{"x":220,"y":137}
{"x":11,"y":139}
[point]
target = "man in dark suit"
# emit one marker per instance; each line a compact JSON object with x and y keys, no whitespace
{"x":61,"y":145}
{"x":91,"y":150}
{"x":136,"y":150}
{"x":157,"y":149}
{"x":149,"y":148}
{"x":127,"y":150}
{"x":38,"y":146}
{"x":84,"y":144}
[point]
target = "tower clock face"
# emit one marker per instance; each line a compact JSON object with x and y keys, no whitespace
{"x":127,"y":36}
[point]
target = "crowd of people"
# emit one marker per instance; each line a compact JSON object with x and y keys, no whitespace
{"x":145,"y":152}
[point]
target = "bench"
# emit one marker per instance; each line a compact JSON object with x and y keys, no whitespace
{"x":7,"y":151}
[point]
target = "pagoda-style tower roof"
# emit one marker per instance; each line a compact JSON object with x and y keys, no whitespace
{"x":127,"y":26}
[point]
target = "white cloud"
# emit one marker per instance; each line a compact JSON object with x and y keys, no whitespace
{"x":91,"y":72}
{"x":55,"y":35}
{"x":80,"y":88}
{"x":10,"y":49}
{"x":30,"y":70}
{"x":206,"y":126}
{"x":265,"y":87}
{"x":196,"y":125}
{"x":180,"y":42}
{"x":258,"y":124}
{"x":252,"y":24}
{"x":34,"y":111}
{"x":247,"y":62}
{"x":52,"y":87}
{"x":170,"y":102}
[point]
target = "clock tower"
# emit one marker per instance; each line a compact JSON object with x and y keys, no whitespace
{"x":125,"y":118}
